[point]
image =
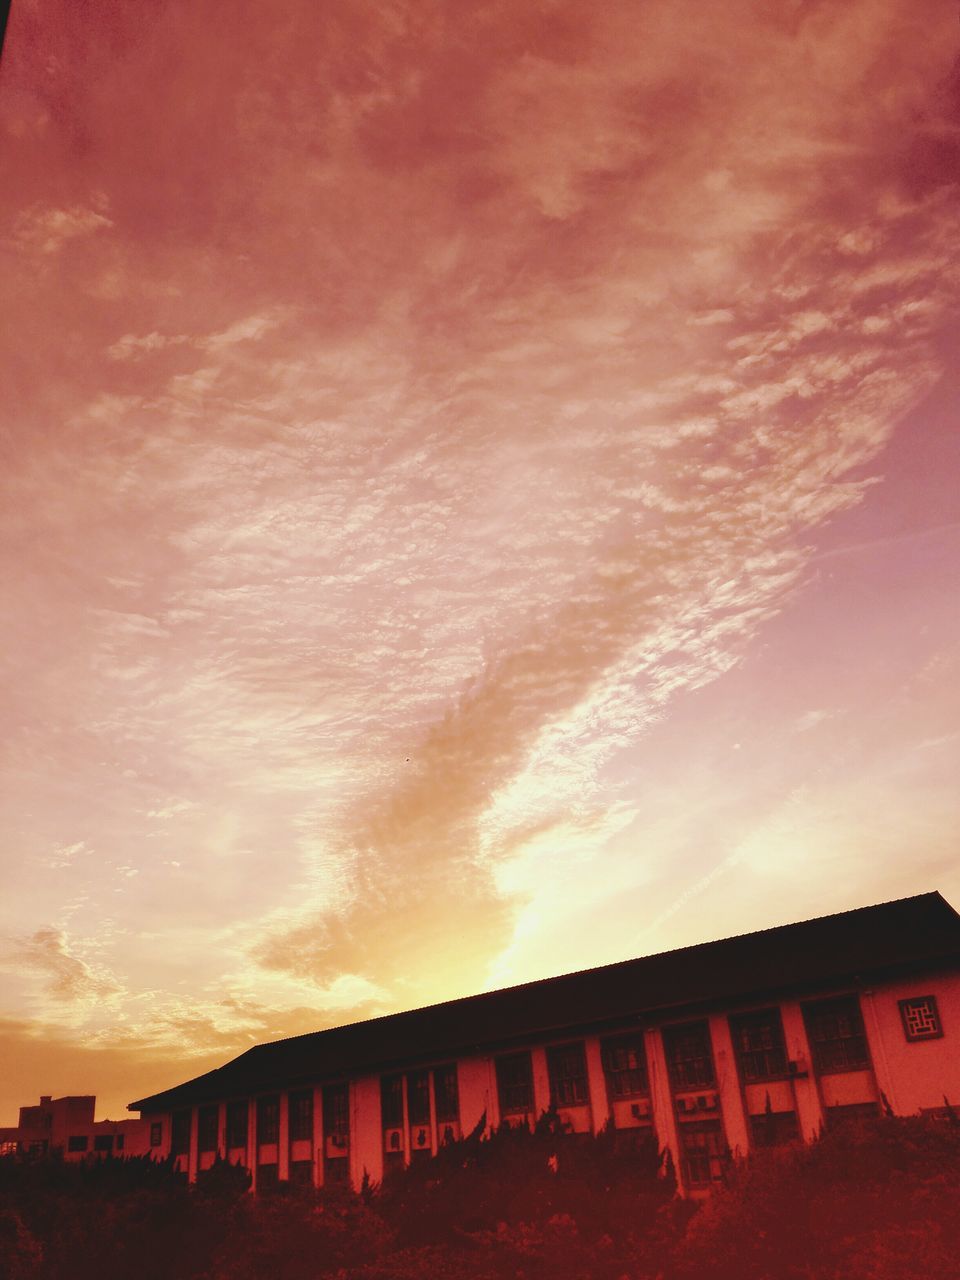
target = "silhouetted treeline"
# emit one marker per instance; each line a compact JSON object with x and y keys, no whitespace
{"x":881,"y":1202}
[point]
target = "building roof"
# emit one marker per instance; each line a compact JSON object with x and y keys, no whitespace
{"x":910,"y":935}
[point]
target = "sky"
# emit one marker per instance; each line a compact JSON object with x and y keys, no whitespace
{"x":479,"y":500}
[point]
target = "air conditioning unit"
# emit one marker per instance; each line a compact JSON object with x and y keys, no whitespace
{"x":336,"y":1145}
{"x":640,"y":1110}
{"x":420,"y":1138}
{"x":686,"y":1104}
{"x":393,"y":1139}
{"x":797,"y":1067}
{"x":706,"y":1102}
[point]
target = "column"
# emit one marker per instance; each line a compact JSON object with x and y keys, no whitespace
{"x":805,"y":1091}
{"x":728,"y":1086}
{"x":283,"y":1136}
{"x":664,"y":1122}
{"x":597,"y":1082}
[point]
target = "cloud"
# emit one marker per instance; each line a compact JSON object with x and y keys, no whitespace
{"x":47,"y":954}
{"x":46,"y":231}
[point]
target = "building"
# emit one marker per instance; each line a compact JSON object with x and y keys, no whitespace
{"x":708,"y":1052}
{"x":66,"y":1126}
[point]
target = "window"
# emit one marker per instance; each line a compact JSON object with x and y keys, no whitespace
{"x":268,"y":1119}
{"x":268,"y":1177}
{"x":156,"y":1133}
{"x":208,"y":1120}
{"x":301,"y":1115}
{"x":77,"y":1142}
{"x":418,"y":1097}
{"x":852,"y":1114}
{"x":103,"y":1142}
{"x":446,"y":1093}
{"x":759,"y":1046}
{"x":515,"y":1084}
{"x":836,"y":1033}
{"x":773,"y":1128}
{"x":238,"y":1114}
{"x":704,"y":1153}
{"x":625,"y":1066}
{"x":336,"y":1113}
{"x":180,"y":1133}
{"x":391,"y":1102}
{"x":921,"y":1018}
{"x":567,"y":1068}
{"x":301,"y":1173}
{"x":120,"y":1142}
{"x":689,"y":1058}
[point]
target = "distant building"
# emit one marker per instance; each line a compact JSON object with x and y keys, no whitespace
{"x":67,"y":1126}
{"x":707,"y":1052}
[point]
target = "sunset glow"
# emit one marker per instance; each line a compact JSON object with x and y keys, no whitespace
{"x":480,"y":500}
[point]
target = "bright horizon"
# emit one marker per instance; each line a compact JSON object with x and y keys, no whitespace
{"x":479,"y":502}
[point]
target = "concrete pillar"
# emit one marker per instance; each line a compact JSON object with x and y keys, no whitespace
{"x":193,"y":1160}
{"x":661,"y":1100}
{"x":728,"y":1086}
{"x":366,"y":1132}
{"x":541,"y":1082}
{"x":222,"y":1129}
{"x":597,"y":1083}
{"x":805,"y":1091}
{"x":878,"y":1051}
{"x":252,"y":1142}
{"x":317,"y":1136}
{"x":477,"y":1093}
{"x":283,"y":1135}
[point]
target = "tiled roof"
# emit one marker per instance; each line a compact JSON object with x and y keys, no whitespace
{"x":909,"y":935}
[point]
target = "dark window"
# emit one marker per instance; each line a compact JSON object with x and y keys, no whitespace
{"x":446,"y":1093}
{"x":774,"y":1128}
{"x":301,"y":1173}
{"x":208,"y":1121}
{"x":156,"y":1133}
{"x":703,"y":1151}
{"x":268,"y":1119}
{"x":515,"y":1083}
{"x":393,"y":1162}
{"x":238,"y":1115}
{"x":853,"y":1113}
{"x":180,"y":1133}
{"x":336,"y":1171}
{"x":77,"y":1142}
{"x":103,"y":1142}
{"x":120,"y":1142}
{"x":336,"y":1112}
{"x":301,"y":1115}
{"x":567,"y":1068}
{"x":836,"y":1033}
{"x":391,"y":1101}
{"x":268,"y":1177}
{"x":625,"y":1065}
{"x":759,"y":1046}
{"x":418,"y":1097}
{"x":689,"y":1058}
{"x":921,"y":1018}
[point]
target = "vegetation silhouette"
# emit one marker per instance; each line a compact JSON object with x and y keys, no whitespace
{"x":879,"y":1201}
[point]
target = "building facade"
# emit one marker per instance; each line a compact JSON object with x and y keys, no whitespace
{"x":66,"y":1126}
{"x":706,"y":1052}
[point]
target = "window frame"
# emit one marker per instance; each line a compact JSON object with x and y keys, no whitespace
{"x":911,"y":1036}
{"x":300,"y":1115}
{"x":828,"y":1061}
{"x":629,"y":1042}
{"x":505,"y":1063}
{"x":239,"y":1107}
{"x":677,"y":1067}
{"x":576,"y":1082}
{"x":740,"y":1022}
